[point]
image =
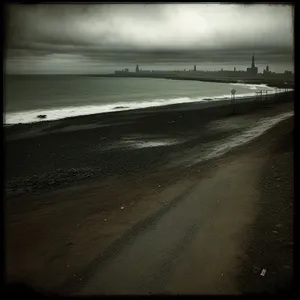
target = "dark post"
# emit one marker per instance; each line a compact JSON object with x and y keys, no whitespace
{"x":233,"y":91}
{"x":261,"y":95}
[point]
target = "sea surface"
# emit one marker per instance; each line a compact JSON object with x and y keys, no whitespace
{"x":58,"y":97}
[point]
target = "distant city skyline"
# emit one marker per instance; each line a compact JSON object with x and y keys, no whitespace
{"x":110,"y":68}
{"x":250,"y":73}
{"x":212,"y":67}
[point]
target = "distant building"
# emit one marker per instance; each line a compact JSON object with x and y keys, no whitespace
{"x":253,"y":70}
{"x":232,"y":73}
{"x":267,"y":71}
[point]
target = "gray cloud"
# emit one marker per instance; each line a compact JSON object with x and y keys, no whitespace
{"x":165,"y":33}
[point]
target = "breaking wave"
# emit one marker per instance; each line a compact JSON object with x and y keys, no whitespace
{"x":31,"y":116}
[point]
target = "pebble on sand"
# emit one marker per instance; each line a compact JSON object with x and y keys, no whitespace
{"x":263,"y":272}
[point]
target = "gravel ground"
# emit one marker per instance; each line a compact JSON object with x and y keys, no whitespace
{"x":271,"y":244}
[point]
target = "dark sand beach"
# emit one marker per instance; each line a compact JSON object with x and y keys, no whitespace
{"x":129,"y":202}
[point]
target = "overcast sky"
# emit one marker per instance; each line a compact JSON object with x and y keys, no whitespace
{"x":94,"y":38}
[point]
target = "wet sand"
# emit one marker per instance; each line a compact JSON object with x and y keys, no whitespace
{"x":68,"y":229}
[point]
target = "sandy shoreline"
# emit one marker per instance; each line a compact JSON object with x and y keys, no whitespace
{"x":89,"y":146}
{"x":206,"y":103}
{"x":71,"y":225}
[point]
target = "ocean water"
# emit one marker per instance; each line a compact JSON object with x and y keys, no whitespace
{"x":26,"y":97}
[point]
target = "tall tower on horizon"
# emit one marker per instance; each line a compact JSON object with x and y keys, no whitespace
{"x":253,"y":61}
{"x":137,"y":69}
{"x":253,"y":71}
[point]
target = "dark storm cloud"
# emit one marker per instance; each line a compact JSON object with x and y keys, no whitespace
{"x":149,"y":33}
{"x":75,"y":25}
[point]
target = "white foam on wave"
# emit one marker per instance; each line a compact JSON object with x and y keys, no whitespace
{"x":30,"y":116}
{"x":261,"y":86}
{"x":65,"y":112}
{"x":252,"y":86}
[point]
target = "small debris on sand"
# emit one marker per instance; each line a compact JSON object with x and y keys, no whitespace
{"x":263,"y":272}
{"x":42,"y":116}
{"x":120,"y":107}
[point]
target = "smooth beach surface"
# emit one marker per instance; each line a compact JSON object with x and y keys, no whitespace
{"x":165,"y":200}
